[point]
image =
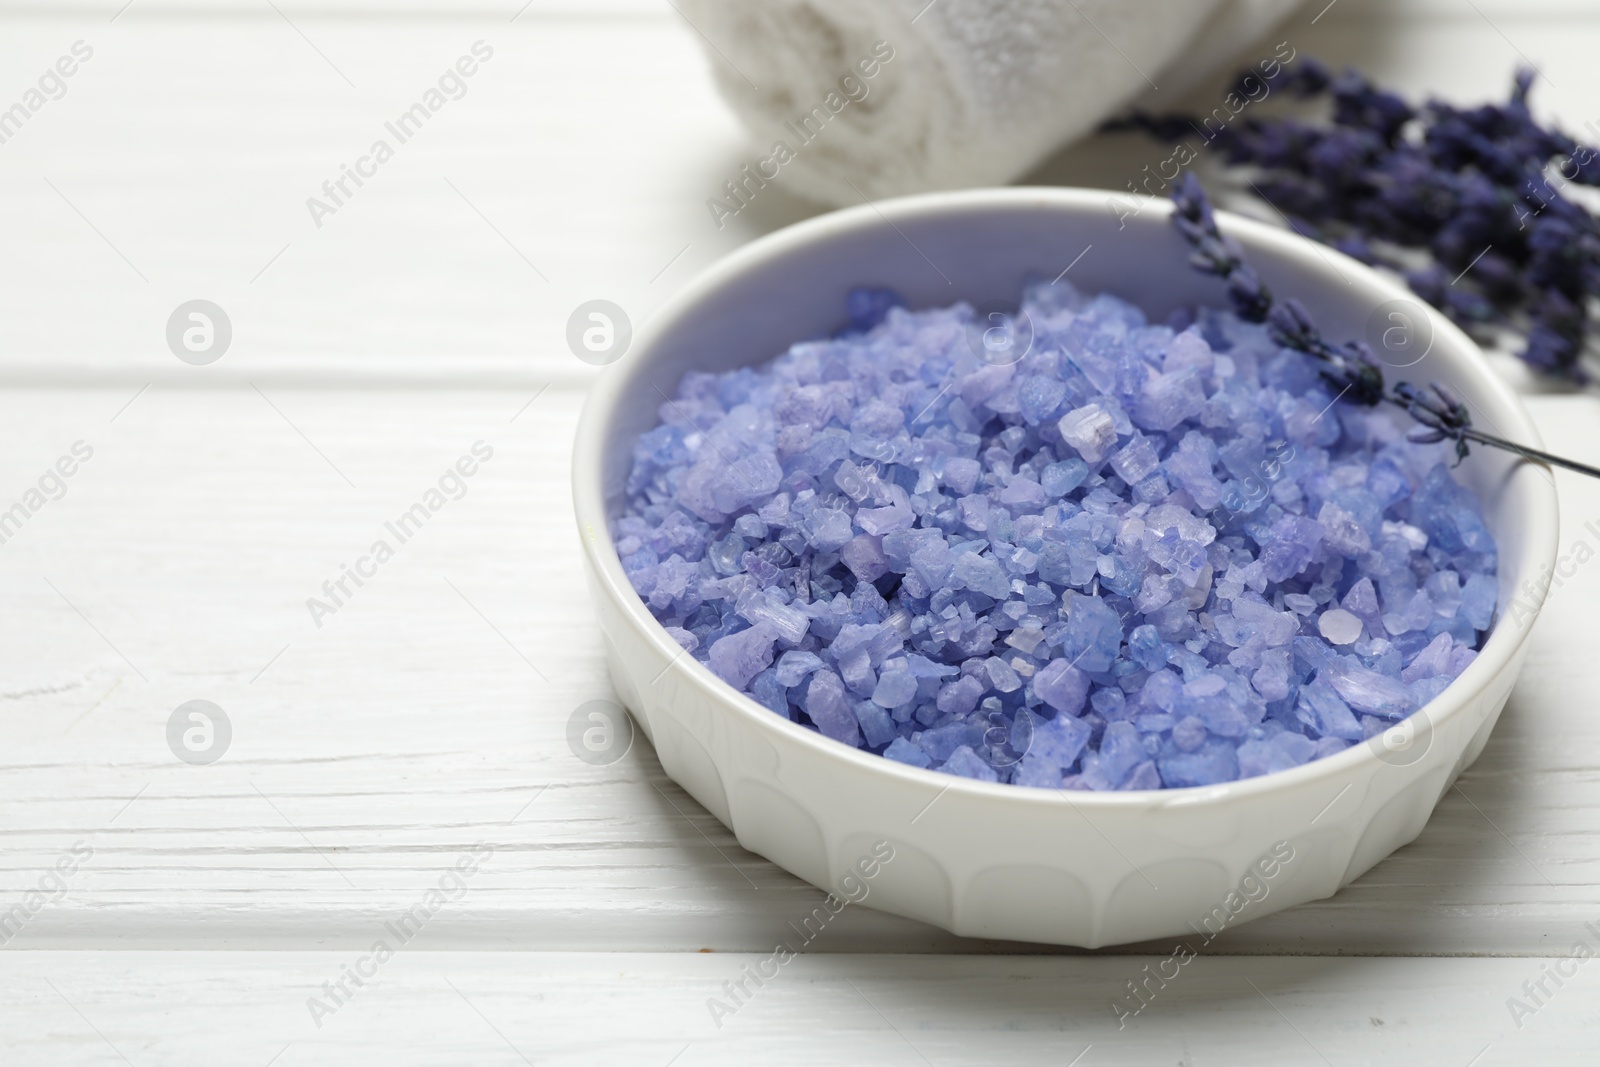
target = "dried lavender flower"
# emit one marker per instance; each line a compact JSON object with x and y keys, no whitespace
{"x":1472,"y":187}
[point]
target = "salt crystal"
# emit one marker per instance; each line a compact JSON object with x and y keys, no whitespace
{"x":894,"y":688}
{"x":968,"y":764}
{"x":737,"y":657}
{"x":1089,"y":429}
{"x":1144,"y":776}
{"x":1058,"y":742}
{"x":829,"y":708}
{"x":794,"y":666}
{"x":1121,"y":749}
{"x":1136,"y":461}
{"x":1147,"y":648}
{"x":1368,"y":690}
{"x":1094,"y":634}
{"x":982,"y":574}
{"x":962,"y":474}
{"x":1022,"y":493}
{"x":1213,"y":762}
{"x":942,"y":741}
{"x":904,"y":751}
{"x":1061,"y":685}
{"x":1003,"y":677}
{"x":960,"y":696}
{"x":1339,"y":626}
{"x":1478,"y":598}
{"x":1059,"y":479}
{"x":863,"y":554}
{"x":1168,"y":399}
{"x":1431,"y":662}
{"x":1189,"y":733}
{"x":879,"y":521}
{"x":877,"y":728}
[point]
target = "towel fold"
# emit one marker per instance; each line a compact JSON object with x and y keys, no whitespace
{"x":870,"y":98}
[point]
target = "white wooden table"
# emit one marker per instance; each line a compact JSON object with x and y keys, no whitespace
{"x":429,"y":714}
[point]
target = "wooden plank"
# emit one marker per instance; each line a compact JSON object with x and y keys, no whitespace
{"x":67,"y":1008}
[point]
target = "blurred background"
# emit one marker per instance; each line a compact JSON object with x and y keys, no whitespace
{"x":577,"y":165}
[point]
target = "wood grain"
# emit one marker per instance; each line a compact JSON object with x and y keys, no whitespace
{"x":631,"y":1008}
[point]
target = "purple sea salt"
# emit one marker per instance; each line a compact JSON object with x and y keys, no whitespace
{"x":968,"y":764}
{"x":737,"y":657}
{"x":904,"y":751}
{"x":825,"y":702}
{"x":1339,"y":626}
{"x":1143,"y":556}
{"x":1089,"y":429}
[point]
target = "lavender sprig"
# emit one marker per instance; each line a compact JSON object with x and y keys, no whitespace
{"x":1349,"y":368}
{"x":1479,"y":189}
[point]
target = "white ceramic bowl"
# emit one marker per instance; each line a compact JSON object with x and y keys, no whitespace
{"x":1002,"y":861}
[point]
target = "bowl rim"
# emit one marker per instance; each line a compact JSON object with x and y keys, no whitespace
{"x":1499,"y":650}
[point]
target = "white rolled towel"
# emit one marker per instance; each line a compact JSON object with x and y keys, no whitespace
{"x":873,"y":98}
